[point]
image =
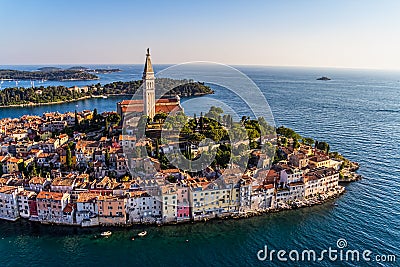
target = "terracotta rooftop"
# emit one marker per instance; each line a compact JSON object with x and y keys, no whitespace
{"x":50,"y":195}
{"x":37,"y":180}
{"x":86,"y":197}
{"x":7,"y":189}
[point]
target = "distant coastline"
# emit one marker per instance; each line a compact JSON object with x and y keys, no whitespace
{"x":46,"y":73}
{"x":60,"y":102}
{"x":52,"y":95}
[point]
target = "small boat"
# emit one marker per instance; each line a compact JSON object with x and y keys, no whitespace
{"x":141,"y":234}
{"x":107,"y":233}
{"x":104,"y":96}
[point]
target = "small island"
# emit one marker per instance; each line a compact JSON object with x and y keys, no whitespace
{"x":324,"y":78}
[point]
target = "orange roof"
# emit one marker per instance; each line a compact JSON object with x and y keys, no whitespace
{"x":37,"y":180}
{"x":50,"y":195}
{"x":14,"y":160}
{"x":62,"y":182}
{"x":268,"y":186}
{"x":7,"y":189}
{"x":126,"y":137}
{"x":165,"y":105}
{"x":26,"y":193}
{"x":170,"y":171}
{"x":137,"y":194}
{"x":130,"y":102}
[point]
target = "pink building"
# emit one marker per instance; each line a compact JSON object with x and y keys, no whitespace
{"x":50,"y":206}
{"x":183,"y":207}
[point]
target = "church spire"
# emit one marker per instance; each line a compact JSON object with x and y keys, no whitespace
{"x":148,"y":68}
{"x":149,"y":88}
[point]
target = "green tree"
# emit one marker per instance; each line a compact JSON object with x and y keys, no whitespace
{"x":76,"y":120}
{"x":22,"y":168}
{"x":296,"y":144}
{"x":106,"y":126}
{"x":160,"y":117}
{"x":201,"y":122}
{"x":107,"y":158}
{"x":95,"y":113}
{"x":308,"y":141}
{"x":33,"y":171}
{"x":323,"y":146}
{"x":157,"y":148}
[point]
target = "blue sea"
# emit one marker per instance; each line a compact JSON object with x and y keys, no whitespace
{"x":357,"y":113}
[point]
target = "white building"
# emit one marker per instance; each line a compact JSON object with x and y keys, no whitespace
{"x":142,"y":207}
{"x":169,"y":203}
{"x":9,"y":203}
{"x":23,"y":203}
{"x":87,"y":209}
{"x":263,"y":197}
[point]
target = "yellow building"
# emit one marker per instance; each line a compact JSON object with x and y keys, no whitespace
{"x":210,"y":199}
{"x":63,"y":157}
{"x":319,"y":161}
{"x":12,"y":164}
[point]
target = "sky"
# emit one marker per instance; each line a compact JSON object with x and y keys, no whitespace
{"x":312,"y":33}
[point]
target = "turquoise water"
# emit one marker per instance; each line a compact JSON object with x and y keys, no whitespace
{"x":358,"y":113}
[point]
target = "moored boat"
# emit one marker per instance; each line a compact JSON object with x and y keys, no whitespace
{"x":141,"y":234}
{"x":107,"y":233}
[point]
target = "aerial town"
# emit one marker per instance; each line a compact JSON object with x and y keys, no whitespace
{"x":74,"y":169}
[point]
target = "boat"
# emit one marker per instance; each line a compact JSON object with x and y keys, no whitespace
{"x":324,"y":78}
{"x":141,"y":234}
{"x":104,"y":96}
{"x":107,"y":233}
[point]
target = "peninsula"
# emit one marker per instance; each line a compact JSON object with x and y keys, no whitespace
{"x":19,"y":96}
{"x":115,"y":169}
{"x":76,"y":169}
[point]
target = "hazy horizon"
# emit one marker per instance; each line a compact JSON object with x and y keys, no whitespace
{"x":316,"y":34}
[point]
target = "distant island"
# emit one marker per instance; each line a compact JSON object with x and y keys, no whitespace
{"x":19,"y":96}
{"x":76,"y":73}
{"x":324,"y":78}
{"x":47,"y":73}
{"x":104,"y":71}
{"x":46,"y":69}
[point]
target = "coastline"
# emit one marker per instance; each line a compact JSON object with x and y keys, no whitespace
{"x":304,"y":203}
{"x":61,"y":102}
{"x":75,"y":100}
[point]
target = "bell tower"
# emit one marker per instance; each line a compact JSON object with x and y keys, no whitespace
{"x":149,"y":92}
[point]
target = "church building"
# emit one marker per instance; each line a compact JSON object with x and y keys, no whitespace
{"x":148,"y":106}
